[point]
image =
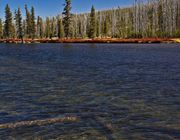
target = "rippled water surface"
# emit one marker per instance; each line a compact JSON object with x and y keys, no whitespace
{"x":118,"y":91}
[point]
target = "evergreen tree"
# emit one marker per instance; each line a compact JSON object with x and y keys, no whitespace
{"x":1,"y":29}
{"x":28,"y":22}
{"x":106,"y":27}
{"x":146,"y":18}
{"x":24,"y":27}
{"x":67,"y":18}
{"x":97,"y":29}
{"x":47,"y":28}
{"x":160,"y":20}
{"x":92,"y":26}
{"x":19,"y":29}
{"x":39,"y":27}
{"x":8,"y":26}
{"x":60,"y":28}
{"x":33,"y":24}
{"x":13,"y":34}
{"x":52,"y":27}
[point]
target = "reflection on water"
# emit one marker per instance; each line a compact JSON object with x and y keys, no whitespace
{"x":118,"y":91}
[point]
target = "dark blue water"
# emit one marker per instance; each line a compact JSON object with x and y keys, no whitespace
{"x":119,"y":91}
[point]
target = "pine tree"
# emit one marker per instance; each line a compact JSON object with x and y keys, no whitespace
{"x":39,"y":27}
{"x":13,"y":33}
{"x":60,"y":28}
{"x":28,"y":22}
{"x":8,"y":26}
{"x":67,"y":18}
{"x":76,"y":26}
{"x":1,"y":29}
{"x":92,"y":26}
{"x":47,"y":28}
{"x":147,"y":18}
{"x":19,"y":29}
{"x":33,"y":24}
{"x":160,"y":19}
{"x":24,"y":27}
{"x":97,"y":29}
{"x":106,"y":27}
{"x":52,"y":27}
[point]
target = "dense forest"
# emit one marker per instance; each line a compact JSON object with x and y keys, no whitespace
{"x":145,"y":18}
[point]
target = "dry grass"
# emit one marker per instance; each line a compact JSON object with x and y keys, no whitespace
{"x":177,"y":40}
{"x":96,"y":40}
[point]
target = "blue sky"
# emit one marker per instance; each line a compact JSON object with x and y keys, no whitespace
{"x":53,"y":7}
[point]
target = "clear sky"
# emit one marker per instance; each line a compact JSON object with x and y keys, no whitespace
{"x":54,"y":7}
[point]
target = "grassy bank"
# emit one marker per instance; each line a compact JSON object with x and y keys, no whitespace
{"x":97,"y":40}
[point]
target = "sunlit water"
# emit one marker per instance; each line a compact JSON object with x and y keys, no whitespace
{"x":119,"y":91}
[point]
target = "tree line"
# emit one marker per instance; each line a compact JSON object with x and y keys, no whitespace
{"x":145,"y":18}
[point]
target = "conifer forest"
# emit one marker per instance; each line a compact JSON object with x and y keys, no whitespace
{"x":144,"y":19}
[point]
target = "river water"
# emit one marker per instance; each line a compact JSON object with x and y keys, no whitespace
{"x":118,"y":91}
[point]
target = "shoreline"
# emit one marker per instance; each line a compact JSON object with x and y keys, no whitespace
{"x":96,"y":40}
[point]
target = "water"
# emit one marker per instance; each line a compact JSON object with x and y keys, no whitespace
{"x":119,"y":91}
